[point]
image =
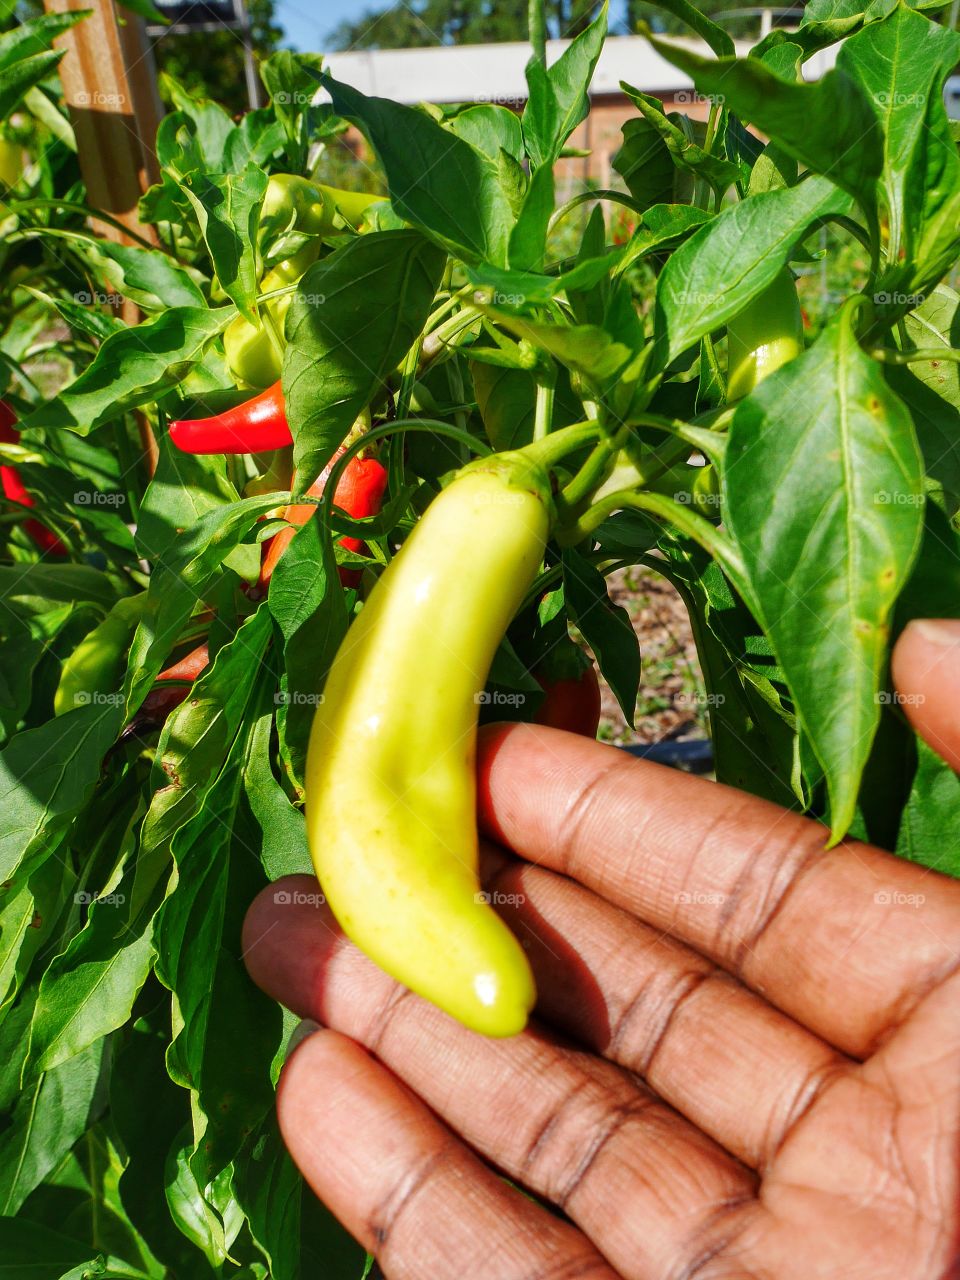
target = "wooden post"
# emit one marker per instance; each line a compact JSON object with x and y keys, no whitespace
{"x":110,"y":87}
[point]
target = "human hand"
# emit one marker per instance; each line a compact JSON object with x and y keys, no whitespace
{"x":745,"y":1056}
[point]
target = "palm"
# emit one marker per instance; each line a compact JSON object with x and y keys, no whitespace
{"x":745,"y":1064}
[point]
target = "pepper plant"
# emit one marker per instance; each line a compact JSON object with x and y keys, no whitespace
{"x":657,"y":388}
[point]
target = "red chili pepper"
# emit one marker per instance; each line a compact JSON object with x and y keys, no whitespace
{"x":252,"y":427}
{"x":15,"y":490}
{"x":572,"y":691}
{"x":159,"y":702}
{"x":360,"y":491}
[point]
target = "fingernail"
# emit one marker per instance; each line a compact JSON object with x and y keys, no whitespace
{"x":940,"y":631}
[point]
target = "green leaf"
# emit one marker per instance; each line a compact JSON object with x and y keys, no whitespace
{"x":931,"y":391}
{"x":57,"y":582}
{"x":48,"y":1119}
{"x":731,"y":259}
{"x":684,"y":152}
{"x":557,"y":98}
{"x":354,"y":317}
{"x":228,"y":206}
{"x":901,"y":64}
{"x":61,"y":759}
{"x":285,"y":849}
{"x":645,"y":164}
{"x":718,"y":39}
{"x":829,"y":126}
{"x":211,"y":126}
{"x":828,"y":544}
{"x":133,"y":367}
{"x":19,"y":77}
{"x":437,"y":181}
{"x":489,"y":128}
{"x":33,"y":1251}
{"x":309,"y":607}
{"x":605,"y":626}
{"x":528,"y":239}
{"x":929,"y":832}
{"x":149,"y":277}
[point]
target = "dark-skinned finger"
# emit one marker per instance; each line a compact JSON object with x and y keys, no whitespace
{"x":404,"y":1186}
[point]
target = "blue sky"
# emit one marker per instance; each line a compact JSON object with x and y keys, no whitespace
{"x":307,"y":22}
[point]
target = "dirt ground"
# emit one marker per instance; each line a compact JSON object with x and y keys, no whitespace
{"x":670,"y":702}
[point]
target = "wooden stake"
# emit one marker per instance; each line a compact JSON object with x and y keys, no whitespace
{"x":110,"y":87}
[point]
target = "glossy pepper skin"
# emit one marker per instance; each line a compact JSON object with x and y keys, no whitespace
{"x":765,"y":335}
{"x":572,"y":692}
{"x":95,"y":667}
{"x":252,"y":350}
{"x":16,"y":491}
{"x":256,"y":426}
{"x":360,"y":491}
{"x":390,"y":785}
{"x":160,"y":701}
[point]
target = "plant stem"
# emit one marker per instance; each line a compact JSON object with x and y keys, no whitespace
{"x":543,"y":413}
{"x":538,"y":30}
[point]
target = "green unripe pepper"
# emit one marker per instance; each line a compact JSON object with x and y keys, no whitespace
{"x":390,"y":785}
{"x":251,"y":349}
{"x":94,"y":669}
{"x":765,"y":335}
{"x":294,"y":203}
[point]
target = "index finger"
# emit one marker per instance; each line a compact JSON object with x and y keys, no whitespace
{"x":847,"y":940}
